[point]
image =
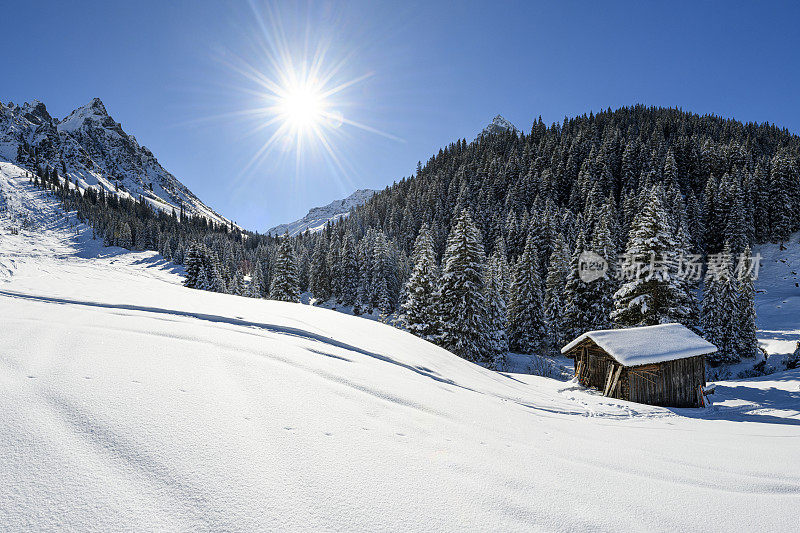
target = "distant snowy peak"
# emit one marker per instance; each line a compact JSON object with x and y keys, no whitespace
{"x":316,"y":219}
{"x":93,"y":151}
{"x":499,"y":125}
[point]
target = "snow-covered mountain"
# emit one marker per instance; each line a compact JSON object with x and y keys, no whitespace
{"x":316,"y":219}
{"x":499,"y":125}
{"x":93,"y":150}
{"x":131,"y":403}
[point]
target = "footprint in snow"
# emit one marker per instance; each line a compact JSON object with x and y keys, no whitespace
{"x":31,"y":377}
{"x":288,"y":428}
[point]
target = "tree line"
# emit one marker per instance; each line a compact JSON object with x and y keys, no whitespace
{"x":479,"y":250}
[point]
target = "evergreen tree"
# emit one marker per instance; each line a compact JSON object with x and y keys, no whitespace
{"x":420,"y":309}
{"x":194,"y":265}
{"x":747,"y":343}
{"x":237,"y":286}
{"x":202,"y":281}
{"x":719,"y":308}
{"x":284,"y":285}
{"x":463,"y":303}
{"x":125,"y":236}
{"x":527,"y":330}
{"x":334,"y":268}
{"x":349,"y":269}
{"x":783,"y":182}
{"x":601,"y":291}
{"x":578,"y":295}
{"x":319,"y":277}
{"x":792,"y":361}
{"x":497,"y":316}
{"x":256,"y":287}
{"x":215,"y":281}
{"x":557,"y":271}
{"x":653,"y":295}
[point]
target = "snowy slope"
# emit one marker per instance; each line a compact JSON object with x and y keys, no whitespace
{"x":95,"y":151}
{"x":778,"y":296}
{"x":317,"y":217}
{"x":130,"y":403}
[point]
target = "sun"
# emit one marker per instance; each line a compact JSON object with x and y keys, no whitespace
{"x":300,"y":89}
{"x":301,"y":107}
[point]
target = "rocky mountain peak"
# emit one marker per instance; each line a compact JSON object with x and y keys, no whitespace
{"x":499,"y":125}
{"x":96,"y":105}
{"x":36,"y":112}
{"x":94,"y":111}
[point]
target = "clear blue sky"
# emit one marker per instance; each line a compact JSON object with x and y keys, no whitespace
{"x":438,"y":71}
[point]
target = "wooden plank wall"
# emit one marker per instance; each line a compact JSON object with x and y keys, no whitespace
{"x":670,"y":384}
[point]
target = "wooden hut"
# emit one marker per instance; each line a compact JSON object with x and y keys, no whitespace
{"x":658,"y":365}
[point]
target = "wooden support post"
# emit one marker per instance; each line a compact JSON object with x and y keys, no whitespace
{"x":614,"y":381}
{"x":608,"y":379}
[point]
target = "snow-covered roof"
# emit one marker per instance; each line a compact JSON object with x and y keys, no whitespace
{"x":647,"y":344}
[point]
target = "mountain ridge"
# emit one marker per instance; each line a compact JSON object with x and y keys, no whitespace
{"x":93,"y":150}
{"x":317,"y":217}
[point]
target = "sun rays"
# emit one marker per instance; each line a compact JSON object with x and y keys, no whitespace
{"x":302,"y":94}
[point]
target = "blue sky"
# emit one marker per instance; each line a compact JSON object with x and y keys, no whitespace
{"x":435,"y":72}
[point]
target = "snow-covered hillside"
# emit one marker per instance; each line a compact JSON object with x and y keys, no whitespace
{"x":130,"y":403}
{"x":778,"y":296}
{"x":93,"y":150}
{"x":317,"y":217}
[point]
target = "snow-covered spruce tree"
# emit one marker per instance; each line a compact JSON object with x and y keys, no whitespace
{"x":256,"y":287}
{"x":497,"y":315}
{"x":578,"y":295}
{"x":602,"y":289}
{"x":719,"y":308}
{"x":384,"y":281}
{"x":202,"y":281}
{"x":526,"y":326}
{"x":462,"y":301}
{"x":125,"y":236}
{"x":420,"y":308}
{"x":216,"y":282}
{"x":284,"y":278}
{"x":653,"y":295}
{"x":792,"y":360}
{"x":194,"y":265}
{"x":557,"y":270}
{"x":688,"y":285}
{"x":349,"y":269}
{"x":237,"y":285}
{"x":747,"y":343}
{"x":783,"y":181}
{"x":335,"y":268}
{"x":503,"y":267}
{"x":319,"y":279}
